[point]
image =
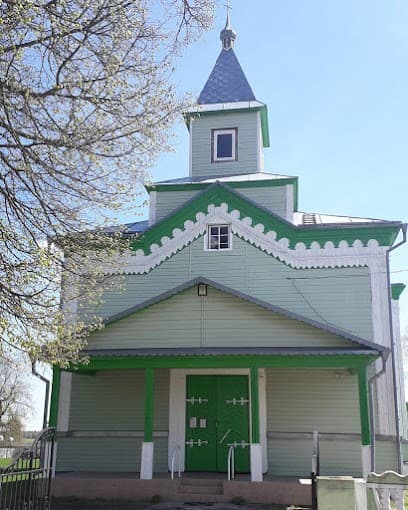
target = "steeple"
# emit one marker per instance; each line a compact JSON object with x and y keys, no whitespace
{"x":227,"y":82}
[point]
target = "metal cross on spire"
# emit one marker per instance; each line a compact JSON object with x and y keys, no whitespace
{"x":229,"y":8}
{"x":228,"y":35}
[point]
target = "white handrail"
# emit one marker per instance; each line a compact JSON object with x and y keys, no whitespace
{"x":177,"y":448}
{"x":231,"y":463}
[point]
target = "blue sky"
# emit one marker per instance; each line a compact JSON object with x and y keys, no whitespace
{"x":334,"y":75}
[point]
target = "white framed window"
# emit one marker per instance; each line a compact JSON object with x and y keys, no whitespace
{"x":218,"y":238}
{"x":224,"y":145}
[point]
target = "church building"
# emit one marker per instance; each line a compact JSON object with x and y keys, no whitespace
{"x":241,"y":325}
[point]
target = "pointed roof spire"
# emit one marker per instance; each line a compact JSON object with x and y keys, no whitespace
{"x":227,"y":82}
{"x":228,"y":34}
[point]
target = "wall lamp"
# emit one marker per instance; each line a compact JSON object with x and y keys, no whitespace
{"x":201,"y":289}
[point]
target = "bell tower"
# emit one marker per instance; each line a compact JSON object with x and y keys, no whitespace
{"x":228,"y":125}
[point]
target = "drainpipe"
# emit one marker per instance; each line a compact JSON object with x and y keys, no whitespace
{"x":371,"y":381}
{"x":47,"y":392}
{"x":393,"y":354}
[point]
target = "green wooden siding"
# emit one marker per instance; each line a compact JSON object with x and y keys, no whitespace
{"x":301,"y":401}
{"x":169,"y":201}
{"x":293,"y":457}
{"x":314,"y":293}
{"x":108,"y":454}
{"x":248,"y":144}
{"x":273,"y":199}
{"x":219,"y":319}
{"x":307,"y":400}
{"x":113,"y":400}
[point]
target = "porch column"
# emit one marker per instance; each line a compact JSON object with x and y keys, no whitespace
{"x":365,"y":421}
{"x":146,"y":467}
{"x":256,"y":449}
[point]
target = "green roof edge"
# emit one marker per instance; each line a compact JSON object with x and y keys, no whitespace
{"x":397,"y":289}
{"x":218,"y":193}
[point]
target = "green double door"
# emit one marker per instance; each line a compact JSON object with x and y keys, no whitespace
{"x":217,"y":416}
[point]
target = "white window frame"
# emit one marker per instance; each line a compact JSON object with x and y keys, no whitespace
{"x":207,"y":246}
{"x":226,"y":131}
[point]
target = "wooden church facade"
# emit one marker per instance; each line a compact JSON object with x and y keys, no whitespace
{"x":241,"y":322}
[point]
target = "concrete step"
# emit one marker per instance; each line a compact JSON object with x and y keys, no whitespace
{"x":193,"y":499}
{"x":200,"y":489}
{"x":201,"y":482}
{"x":194,"y":489}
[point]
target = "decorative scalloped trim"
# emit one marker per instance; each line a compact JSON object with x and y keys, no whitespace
{"x":299,"y":258}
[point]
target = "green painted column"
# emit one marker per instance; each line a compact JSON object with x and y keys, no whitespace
{"x":56,"y":383}
{"x":148,"y":407}
{"x":255,"y":434}
{"x":364,"y":406}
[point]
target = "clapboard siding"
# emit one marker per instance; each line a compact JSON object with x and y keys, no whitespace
{"x":113,"y":401}
{"x":168,"y":201}
{"x":293,"y":457}
{"x":272,"y":198}
{"x":219,"y":319}
{"x":314,"y":293}
{"x":307,"y":400}
{"x":248,"y":144}
{"x":108,"y":454}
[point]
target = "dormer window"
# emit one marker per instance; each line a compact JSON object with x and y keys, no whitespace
{"x":224,"y":145}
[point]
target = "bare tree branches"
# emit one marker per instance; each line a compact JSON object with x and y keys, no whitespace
{"x":86,"y":101}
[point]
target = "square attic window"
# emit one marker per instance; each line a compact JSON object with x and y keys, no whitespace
{"x":224,"y":145}
{"x":218,"y":237}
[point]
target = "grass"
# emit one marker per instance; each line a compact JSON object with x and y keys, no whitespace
{"x":4,"y":462}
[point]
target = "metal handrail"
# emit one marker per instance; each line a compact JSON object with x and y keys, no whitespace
{"x":177,"y":448}
{"x":231,"y":462}
{"x":315,"y":468}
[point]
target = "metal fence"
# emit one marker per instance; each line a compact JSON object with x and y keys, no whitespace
{"x":26,"y":483}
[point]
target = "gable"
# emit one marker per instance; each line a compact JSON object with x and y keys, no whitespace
{"x":267,"y":229}
{"x":186,"y":320}
{"x":312,"y":293}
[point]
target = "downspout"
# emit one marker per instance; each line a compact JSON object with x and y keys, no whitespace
{"x":371,"y":381}
{"x":47,"y":392}
{"x":393,"y":354}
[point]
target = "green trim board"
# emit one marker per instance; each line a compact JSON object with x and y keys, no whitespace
{"x":364,"y":407}
{"x":219,"y":193}
{"x":225,"y":361}
{"x":56,"y":383}
{"x":396,"y":290}
{"x":267,"y":306}
{"x":264,"y":118}
{"x":148,"y":405}
{"x":255,"y":428}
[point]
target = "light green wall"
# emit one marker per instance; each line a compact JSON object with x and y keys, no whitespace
{"x":248,"y":144}
{"x":113,"y":400}
{"x":219,"y":319}
{"x":302,"y":401}
{"x":307,"y":400}
{"x":168,"y":201}
{"x":339,"y":297}
{"x":273,"y":198}
{"x":108,"y":454}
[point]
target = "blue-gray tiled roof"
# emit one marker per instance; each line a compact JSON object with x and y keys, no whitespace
{"x":227,"y":82}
